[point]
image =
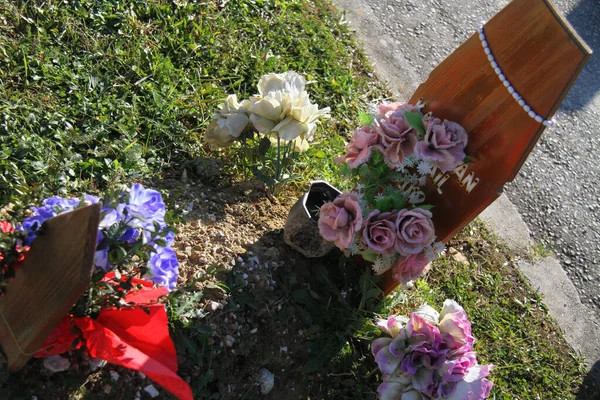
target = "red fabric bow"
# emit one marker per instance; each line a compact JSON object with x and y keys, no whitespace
{"x":129,"y":337}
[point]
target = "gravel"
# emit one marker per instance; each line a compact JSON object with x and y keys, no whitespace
{"x":557,"y":191}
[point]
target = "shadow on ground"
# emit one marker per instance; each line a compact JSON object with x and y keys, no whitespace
{"x":585,"y":18}
{"x":590,"y":388}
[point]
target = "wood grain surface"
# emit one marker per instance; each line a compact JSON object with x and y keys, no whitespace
{"x":55,"y":273}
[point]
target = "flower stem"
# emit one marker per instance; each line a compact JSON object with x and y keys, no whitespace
{"x":278,"y":173}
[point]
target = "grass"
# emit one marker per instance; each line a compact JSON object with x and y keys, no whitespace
{"x":95,"y":93}
{"x":98,"y":93}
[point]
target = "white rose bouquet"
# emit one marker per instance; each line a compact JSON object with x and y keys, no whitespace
{"x":281,"y":114}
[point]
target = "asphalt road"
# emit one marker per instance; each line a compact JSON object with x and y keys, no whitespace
{"x":557,"y":191}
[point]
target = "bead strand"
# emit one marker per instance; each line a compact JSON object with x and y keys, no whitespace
{"x":486,"y":48}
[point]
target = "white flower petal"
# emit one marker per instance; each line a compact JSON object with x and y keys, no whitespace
{"x":428,"y":313}
{"x":237,"y":123}
{"x":267,"y":107}
{"x":262,"y":124}
{"x":290,"y":129}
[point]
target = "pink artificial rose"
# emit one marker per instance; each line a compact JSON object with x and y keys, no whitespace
{"x":444,"y":143}
{"x":341,"y":219}
{"x":455,"y":328}
{"x":386,"y":108}
{"x":397,"y":137}
{"x":407,"y":269}
{"x":414,"y":231}
{"x":379,"y":232}
{"x":360,"y":147}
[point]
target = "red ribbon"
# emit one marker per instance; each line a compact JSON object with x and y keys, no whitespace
{"x":134,"y":337}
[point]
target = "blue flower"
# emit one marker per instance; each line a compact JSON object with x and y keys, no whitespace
{"x":145,"y":204}
{"x":101,"y":256}
{"x":130,"y":235}
{"x":164,"y":268}
{"x":31,"y":225}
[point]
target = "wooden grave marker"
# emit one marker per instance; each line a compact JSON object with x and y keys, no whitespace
{"x":54,"y":274}
{"x":541,"y":55}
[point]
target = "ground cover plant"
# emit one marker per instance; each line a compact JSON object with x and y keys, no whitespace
{"x":95,"y":94}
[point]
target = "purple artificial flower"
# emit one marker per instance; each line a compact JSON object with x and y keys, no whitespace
{"x":386,"y":361}
{"x":163,"y":267}
{"x":360,"y":147}
{"x":407,"y":269}
{"x":31,"y":225}
{"x":388,"y":108}
{"x":425,"y":343}
{"x":474,"y":386}
{"x":169,"y":238}
{"x":341,"y":219}
{"x":455,"y":329}
{"x":145,"y":204}
{"x":397,"y":137}
{"x":101,"y":256}
{"x":393,"y":325}
{"x":444,"y":143}
{"x":425,"y":381}
{"x":51,"y":207}
{"x":130,"y":235}
{"x":110,"y":216}
{"x":379,"y":232}
{"x":414,"y":230}
{"x":423,"y":361}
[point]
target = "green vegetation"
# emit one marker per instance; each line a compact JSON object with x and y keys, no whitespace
{"x":94,"y":93}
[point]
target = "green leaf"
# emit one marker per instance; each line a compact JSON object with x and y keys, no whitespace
{"x":369,"y":256}
{"x":203,"y":329}
{"x":426,"y":207}
{"x":366,"y":119}
{"x":116,"y":254}
{"x":385,"y":204}
{"x":364,"y":172}
{"x":415,"y":121}
{"x":399,"y":201}
{"x":263,"y":147}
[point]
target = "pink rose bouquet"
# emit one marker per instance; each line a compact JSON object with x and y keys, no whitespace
{"x":429,"y":355}
{"x":384,"y":219}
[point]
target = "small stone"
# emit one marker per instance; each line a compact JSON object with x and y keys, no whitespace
{"x":114,"y":375}
{"x":460,"y":258}
{"x":106,"y":388}
{"x":266,"y":379}
{"x":96,"y":363}
{"x":151,"y":390}
{"x":214,"y":306}
{"x":56,"y":363}
{"x":142,"y":375}
{"x":229,"y":340}
{"x":283,"y":349}
{"x":253,"y":331}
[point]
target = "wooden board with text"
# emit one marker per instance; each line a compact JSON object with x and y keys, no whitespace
{"x":541,"y":55}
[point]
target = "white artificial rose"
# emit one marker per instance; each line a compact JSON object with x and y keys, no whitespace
{"x":230,"y":120}
{"x":284,"y":107}
{"x":288,"y":81}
